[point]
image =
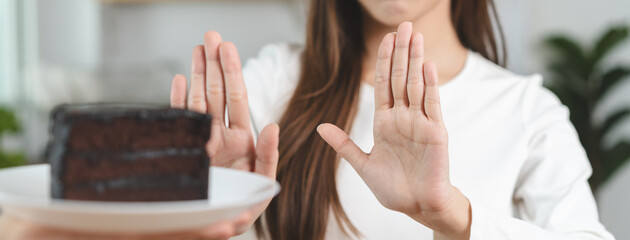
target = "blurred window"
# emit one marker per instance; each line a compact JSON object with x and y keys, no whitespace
{"x":8,"y":51}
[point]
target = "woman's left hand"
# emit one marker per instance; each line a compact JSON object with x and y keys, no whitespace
{"x":407,"y":169}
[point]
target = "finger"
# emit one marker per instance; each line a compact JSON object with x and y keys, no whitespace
{"x":243,"y":223}
{"x":197,"y":92}
{"x":18,"y":229}
{"x":215,"y":88}
{"x":238,"y":110}
{"x":415,"y":80}
{"x":222,"y":230}
{"x":267,"y":151}
{"x":340,"y":141}
{"x":383,"y":91}
{"x":431,"y":93}
{"x":178,"y":92}
{"x":400,"y":65}
{"x":227,"y":229}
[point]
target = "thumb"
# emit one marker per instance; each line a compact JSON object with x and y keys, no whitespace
{"x":340,"y":141}
{"x":267,"y":151}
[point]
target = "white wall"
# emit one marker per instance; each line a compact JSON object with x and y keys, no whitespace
{"x":69,"y":33}
{"x":8,"y":64}
{"x":156,"y":40}
{"x":168,"y":31}
{"x":126,"y":47}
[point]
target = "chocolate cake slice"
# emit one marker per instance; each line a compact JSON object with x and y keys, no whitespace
{"x":122,"y":152}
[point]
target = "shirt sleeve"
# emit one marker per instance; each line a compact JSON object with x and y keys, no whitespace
{"x":552,"y":197}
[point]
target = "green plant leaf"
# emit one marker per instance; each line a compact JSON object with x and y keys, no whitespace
{"x":570,"y":53}
{"x":607,"y":42}
{"x":614,"y":119}
{"x":566,"y":93}
{"x":569,"y":78}
{"x":11,"y":160}
{"x":8,"y":122}
{"x":611,"y":78}
{"x":615,"y":158}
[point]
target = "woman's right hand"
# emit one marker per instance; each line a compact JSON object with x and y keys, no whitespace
{"x":217,"y":84}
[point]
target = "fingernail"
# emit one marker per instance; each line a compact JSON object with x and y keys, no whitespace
{"x":319,"y":126}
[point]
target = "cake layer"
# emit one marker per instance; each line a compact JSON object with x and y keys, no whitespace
{"x":142,"y":195}
{"x":128,"y":134}
{"x":81,"y":167}
{"x":138,"y":188}
{"x":118,"y":127}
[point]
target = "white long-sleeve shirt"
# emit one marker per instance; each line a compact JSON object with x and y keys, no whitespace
{"x":513,"y":153}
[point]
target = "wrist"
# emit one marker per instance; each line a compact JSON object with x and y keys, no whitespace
{"x":451,"y":221}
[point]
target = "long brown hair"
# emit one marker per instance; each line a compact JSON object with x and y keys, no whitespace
{"x":327,"y":91}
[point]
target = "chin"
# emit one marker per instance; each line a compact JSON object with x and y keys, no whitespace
{"x":394,"y":12}
{"x":393,"y":20}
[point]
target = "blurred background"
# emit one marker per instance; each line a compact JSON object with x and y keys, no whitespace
{"x":59,"y":51}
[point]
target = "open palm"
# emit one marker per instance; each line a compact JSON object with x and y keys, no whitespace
{"x":407,"y":169}
{"x":217,"y":85}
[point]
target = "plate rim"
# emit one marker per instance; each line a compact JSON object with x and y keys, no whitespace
{"x":8,"y":200}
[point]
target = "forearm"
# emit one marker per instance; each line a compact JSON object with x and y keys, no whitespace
{"x":11,"y":228}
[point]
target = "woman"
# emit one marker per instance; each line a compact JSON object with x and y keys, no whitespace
{"x":510,"y":167}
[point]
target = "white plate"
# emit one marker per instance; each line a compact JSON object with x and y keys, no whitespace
{"x":25,"y":193}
